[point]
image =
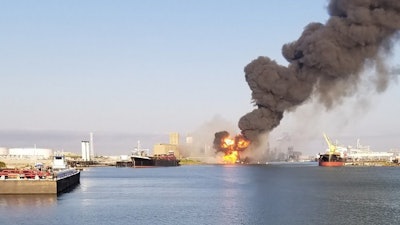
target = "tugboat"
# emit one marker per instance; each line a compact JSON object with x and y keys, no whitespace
{"x":331,"y":158}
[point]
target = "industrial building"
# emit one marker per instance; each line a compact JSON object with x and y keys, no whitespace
{"x":85,"y":146}
{"x":3,"y":152}
{"x":26,"y":153}
{"x":87,"y":149}
{"x":174,"y":138}
{"x":167,"y":149}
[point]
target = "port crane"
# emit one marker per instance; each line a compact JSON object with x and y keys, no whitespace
{"x":332,"y":147}
{"x":333,"y":157}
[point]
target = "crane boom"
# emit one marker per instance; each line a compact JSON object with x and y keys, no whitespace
{"x":332,"y":147}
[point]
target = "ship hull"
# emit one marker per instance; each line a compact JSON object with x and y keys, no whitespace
{"x":39,"y":186}
{"x":330,"y":164}
{"x":152,"y":161}
{"x":331,"y":160}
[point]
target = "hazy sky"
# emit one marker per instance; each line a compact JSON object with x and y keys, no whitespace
{"x":137,"y":70}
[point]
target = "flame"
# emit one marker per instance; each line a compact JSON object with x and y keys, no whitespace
{"x":228,"y":143}
{"x":231,"y":158}
{"x":242,"y":143}
{"x":231,"y":147}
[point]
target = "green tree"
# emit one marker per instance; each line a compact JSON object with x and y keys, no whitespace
{"x":2,"y":164}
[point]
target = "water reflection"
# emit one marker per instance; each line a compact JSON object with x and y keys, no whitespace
{"x":20,"y":201}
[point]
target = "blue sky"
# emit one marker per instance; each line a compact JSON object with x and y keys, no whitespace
{"x":135,"y":70}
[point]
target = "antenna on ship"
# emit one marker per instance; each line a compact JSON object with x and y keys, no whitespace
{"x":136,"y":150}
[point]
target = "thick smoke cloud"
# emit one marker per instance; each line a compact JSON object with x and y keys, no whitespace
{"x":218,"y":140}
{"x":326,"y":62}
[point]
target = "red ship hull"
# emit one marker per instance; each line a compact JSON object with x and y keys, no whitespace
{"x":331,"y":160}
{"x":331,"y":164}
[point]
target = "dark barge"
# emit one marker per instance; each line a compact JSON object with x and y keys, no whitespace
{"x":33,"y":181}
{"x":157,"y":160}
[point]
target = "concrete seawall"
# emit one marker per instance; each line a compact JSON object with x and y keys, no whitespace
{"x":40,"y":186}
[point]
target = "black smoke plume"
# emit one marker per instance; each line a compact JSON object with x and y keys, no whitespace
{"x":219,"y":139}
{"x":326,"y":62}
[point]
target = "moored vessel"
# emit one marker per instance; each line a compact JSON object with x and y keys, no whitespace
{"x":157,"y":160}
{"x":39,"y":181}
{"x":332,"y":158}
{"x":141,"y":158}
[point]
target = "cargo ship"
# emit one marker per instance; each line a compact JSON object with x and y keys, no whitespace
{"x":56,"y":180}
{"x":156,"y":160}
{"x":141,"y":158}
{"x":332,"y":158}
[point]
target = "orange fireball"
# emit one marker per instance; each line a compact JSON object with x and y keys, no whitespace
{"x":231,"y":158}
{"x":228,"y":143}
{"x":231,"y":147}
{"x":241,"y":142}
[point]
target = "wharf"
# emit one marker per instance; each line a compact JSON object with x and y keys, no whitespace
{"x":372,"y":163}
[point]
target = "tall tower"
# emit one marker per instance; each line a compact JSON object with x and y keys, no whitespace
{"x":91,"y":146}
{"x":174,"y":138}
{"x":85,"y":151}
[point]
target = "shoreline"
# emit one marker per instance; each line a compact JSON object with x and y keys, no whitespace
{"x":30,"y":163}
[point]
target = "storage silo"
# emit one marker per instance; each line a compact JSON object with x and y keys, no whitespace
{"x":85,"y":151}
{"x":174,"y":138}
{"x":3,"y":152}
{"x":38,"y":153}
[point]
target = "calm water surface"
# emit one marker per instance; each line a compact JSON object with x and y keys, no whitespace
{"x":216,"y":194}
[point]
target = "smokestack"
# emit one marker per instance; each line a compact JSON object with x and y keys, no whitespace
{"x":326,"y":62}
{"x":91,"y":146}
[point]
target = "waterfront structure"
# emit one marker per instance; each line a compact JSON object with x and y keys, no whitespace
{"x":91,"y":146}
{"x":85,"y":146}
{"x":3,"y":152}
{"x":174,"y":138}
{"x":166,"y":149}
{"x":189,"y":140}
{"x":88,"y":149}
{"x":23,"y":153}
